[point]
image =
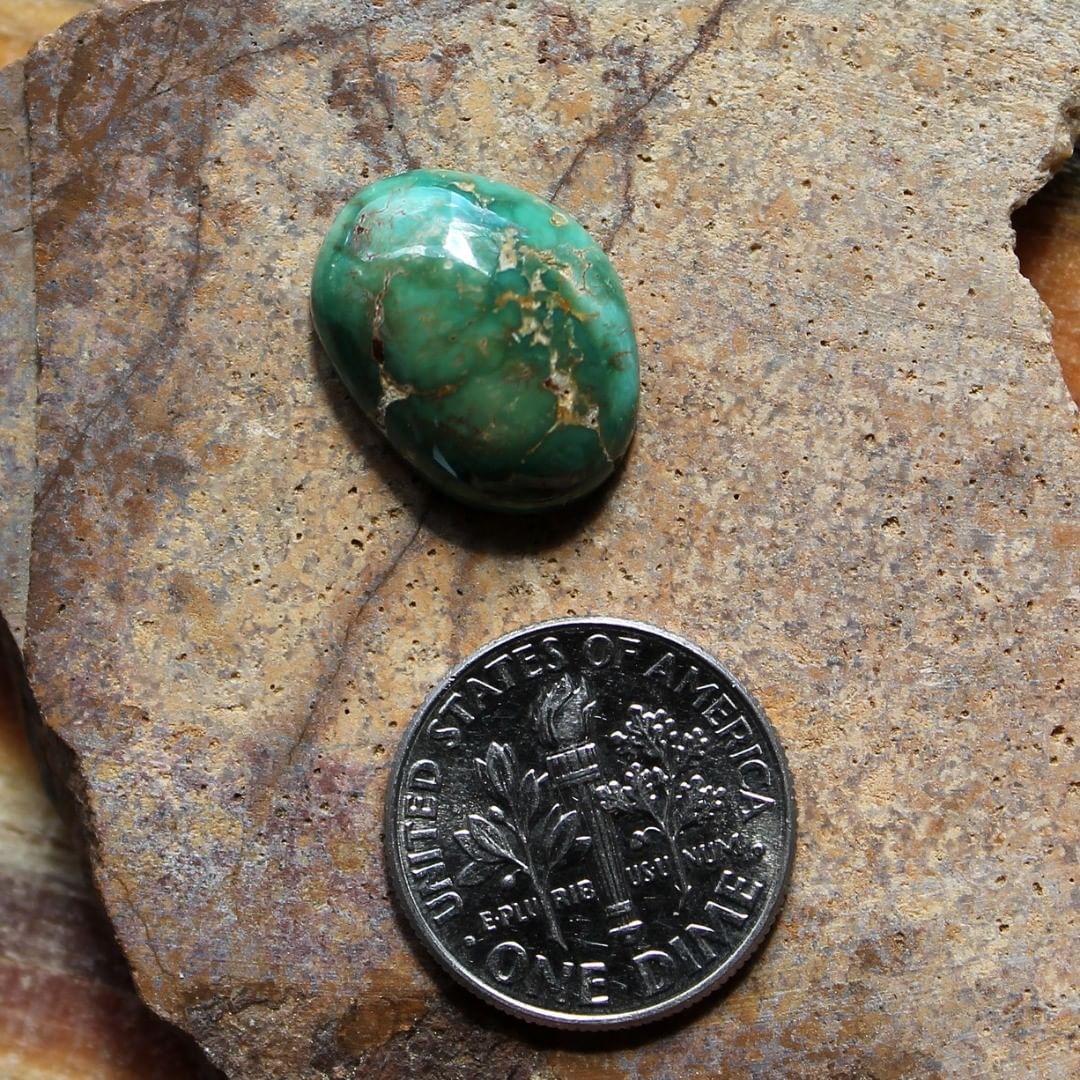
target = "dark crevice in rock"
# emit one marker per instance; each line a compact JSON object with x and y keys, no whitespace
{"x":1047,"y":229}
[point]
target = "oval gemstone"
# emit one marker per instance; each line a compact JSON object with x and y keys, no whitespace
{"x":485,"y":333}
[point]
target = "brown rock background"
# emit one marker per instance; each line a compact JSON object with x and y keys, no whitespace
{"x":866,"y":505}
{"x":69,"y":1007}
{"x":18,"y":375}
{"x":70,"y":1010}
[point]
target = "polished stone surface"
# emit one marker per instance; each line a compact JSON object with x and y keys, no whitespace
{"x":486,"y":334}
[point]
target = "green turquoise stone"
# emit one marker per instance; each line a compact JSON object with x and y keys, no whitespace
{"x":486,"y":334}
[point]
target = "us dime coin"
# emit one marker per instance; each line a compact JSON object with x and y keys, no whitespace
{"x":590,"y":823}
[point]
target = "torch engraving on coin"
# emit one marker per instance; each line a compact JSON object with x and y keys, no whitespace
{"x":564,"y":718}
{"x":591,"y":823}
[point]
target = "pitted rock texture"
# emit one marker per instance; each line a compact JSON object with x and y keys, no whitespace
{"x":853,"y":481}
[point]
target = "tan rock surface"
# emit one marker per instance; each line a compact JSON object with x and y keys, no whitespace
{"x":852,"y":482}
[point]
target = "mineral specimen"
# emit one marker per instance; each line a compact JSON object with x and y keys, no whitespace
{"x":485,"y":332}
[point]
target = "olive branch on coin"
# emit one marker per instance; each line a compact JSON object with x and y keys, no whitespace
{"x":661,"y":783}
{"x":517,"y":836}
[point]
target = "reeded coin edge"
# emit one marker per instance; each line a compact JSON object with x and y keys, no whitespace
{"x":550,"y":1017}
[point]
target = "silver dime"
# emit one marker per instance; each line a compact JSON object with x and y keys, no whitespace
{"x":590,"y":823}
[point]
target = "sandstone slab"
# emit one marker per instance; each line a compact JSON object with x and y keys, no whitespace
{"x":853,"y":481}
{"x":70,"y":1009}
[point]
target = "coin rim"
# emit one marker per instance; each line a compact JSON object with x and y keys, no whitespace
{"x":556,"y":1018}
